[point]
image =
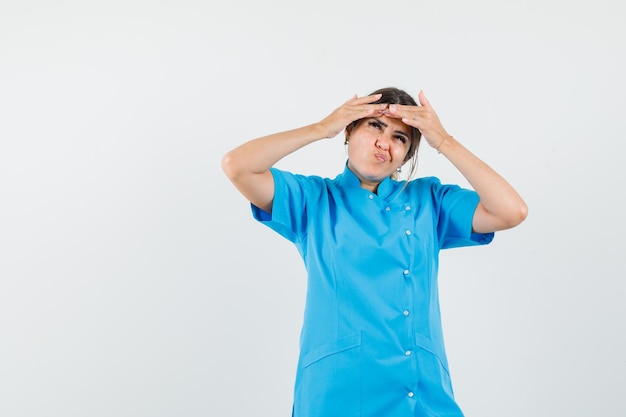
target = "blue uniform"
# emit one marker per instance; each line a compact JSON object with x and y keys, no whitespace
{"x":371,"y":342}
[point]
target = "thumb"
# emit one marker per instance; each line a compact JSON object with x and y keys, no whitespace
{"x":423,"y":100}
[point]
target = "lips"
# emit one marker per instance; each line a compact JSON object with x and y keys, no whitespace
{"x":381,"y":157}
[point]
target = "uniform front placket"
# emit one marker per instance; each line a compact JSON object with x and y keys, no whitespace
{"x":400,"y":216}
{"x":409,"y":284}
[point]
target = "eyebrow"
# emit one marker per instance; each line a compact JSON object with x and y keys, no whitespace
{"x":386,"y":125}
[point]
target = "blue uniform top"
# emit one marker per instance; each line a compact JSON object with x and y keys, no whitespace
{"x":371,"y":342}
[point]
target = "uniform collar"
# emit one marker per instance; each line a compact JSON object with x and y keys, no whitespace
{"x":348,"y":179}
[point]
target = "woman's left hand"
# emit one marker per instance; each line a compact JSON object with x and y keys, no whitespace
{"x":500,"y":206}
{"x":422,"y":117}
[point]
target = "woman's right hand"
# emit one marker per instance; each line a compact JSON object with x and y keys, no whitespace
{"x":354,"y":109}
{"x":248,"y":165}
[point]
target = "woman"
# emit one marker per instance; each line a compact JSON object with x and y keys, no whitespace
{"x":371,"y":342}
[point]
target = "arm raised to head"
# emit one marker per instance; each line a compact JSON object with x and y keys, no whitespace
{"x":500,"y":206}
{"x":248,"y":165}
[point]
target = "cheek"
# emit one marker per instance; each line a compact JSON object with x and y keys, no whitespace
{"x":362,"y":142}
{"x":401,"y":151}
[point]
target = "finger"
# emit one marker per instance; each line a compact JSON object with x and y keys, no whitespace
{"x":409,"y":115}
{"x":365,"y":110}
{"x":394,"y":114}
{"x":360,"y":101}
{"x":423,"y":100}
{"x":367,"y":99}
{"x":351,"y":99}
{"x":411,"y":121}
{"x":398,"y":111}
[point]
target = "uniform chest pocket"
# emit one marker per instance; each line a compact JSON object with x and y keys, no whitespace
{"x":329,"y":380}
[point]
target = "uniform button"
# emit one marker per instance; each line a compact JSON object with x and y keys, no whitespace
{"x":407,"y":353}
{"x":387,"y":208}
{"x":406,"y":272}
{"x":407,"y":208}
{"x":371,"y":197}
{"x":406,"y":312}
{"x":408,"y":232}
{"x":410,"y":394}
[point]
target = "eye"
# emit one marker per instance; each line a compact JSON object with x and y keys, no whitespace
{"x":401,"y":138}
{"x":375,"y":124}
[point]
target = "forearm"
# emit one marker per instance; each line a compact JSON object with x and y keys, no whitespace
{"x":259,"y":155}
{"x":500,"y":206}
{"x":247,"y":166}
{"x":503,"y":204}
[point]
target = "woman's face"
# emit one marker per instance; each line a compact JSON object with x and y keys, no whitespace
{"x":377,"y":147}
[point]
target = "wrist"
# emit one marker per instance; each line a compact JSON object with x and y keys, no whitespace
{"x":443,"y":143}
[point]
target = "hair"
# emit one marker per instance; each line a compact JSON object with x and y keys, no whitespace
{"x":393,"y":95}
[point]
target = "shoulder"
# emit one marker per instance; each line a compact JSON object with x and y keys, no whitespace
{"x":423,"y":185}
{"x":294,"y":177}
{"x":431,"y":188}
{"x":304,"y":185}
{"x":425,"y":182}
{"x":435,"y":186}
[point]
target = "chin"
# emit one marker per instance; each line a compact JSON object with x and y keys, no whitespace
{"x":373,"y":173}
{"x":376,"y":177}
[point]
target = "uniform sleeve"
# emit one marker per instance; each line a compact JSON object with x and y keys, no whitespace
{"x":456,"y":207}
{"x":289,"y":207}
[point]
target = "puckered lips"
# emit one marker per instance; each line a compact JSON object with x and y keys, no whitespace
{"x":381,"y":157}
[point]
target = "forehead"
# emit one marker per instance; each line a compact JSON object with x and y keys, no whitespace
{"x":393,"y":124}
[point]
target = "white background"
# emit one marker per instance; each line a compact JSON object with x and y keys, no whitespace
{"x":133,"y":280}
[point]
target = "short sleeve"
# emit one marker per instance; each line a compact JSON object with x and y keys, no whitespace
{"x":456,"y":212}
{"x":289,"y":206}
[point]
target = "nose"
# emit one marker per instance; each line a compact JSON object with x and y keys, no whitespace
{"x":383,"y":141}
